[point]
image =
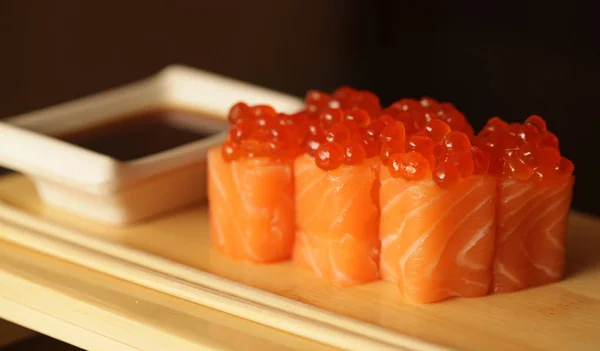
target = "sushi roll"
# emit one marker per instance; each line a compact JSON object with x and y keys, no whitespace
{"x":251,"y":186}
{"x":337,"y":216}
{"x":437,"y":208}
{"x":534,"y":193}
{"x":355,"y":193}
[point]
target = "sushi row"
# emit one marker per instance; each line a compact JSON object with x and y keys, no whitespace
{"x":355,"y":192}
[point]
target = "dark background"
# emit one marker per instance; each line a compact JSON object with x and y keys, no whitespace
{"x":510,"y":60}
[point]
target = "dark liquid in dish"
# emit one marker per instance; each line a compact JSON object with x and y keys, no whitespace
{"x":145,"y":133}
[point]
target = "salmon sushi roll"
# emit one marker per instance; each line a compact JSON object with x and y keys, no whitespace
{"x":336,"y":189}
{"x":437,"y":243}
{"x":535,"y":186}
{"x":337,"y":220}
{"x":251,"y":187}
{"x":437,"y":213}
{"x":251,"y":207}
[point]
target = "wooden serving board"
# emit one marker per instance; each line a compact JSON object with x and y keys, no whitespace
{"x":172,"y":254}
{"x":97,"y":312}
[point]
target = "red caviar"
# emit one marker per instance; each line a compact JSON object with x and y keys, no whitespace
{"x":524,"y":151}
{"x":353,"y":128}
{"x":516,"y":168}
{"x":354,"y":153}
{"x":423,"y":145}
{"x":435,"y":149}
{"x":338,"y":133}
{"x":394,"y":164}
{"x":445,"y":175}
{"x":415,"y":139}
{"x":240,"y":131}
{"x":417,"y":115}
{"x":481,"y":160}
{"x":374,"y":129}
{"x":263,"y":111}
{"x":370,"y":144}
{"x":230,"y":151}
{"x":436,"y":140}
{"x":389,"y":148}
{"x":345,"y":98}
{"x":462,"y":160}
{"x":437,"y":130}
{"x":237,"y":111}
{"x":455,"y":120}
{"x":331,"y":116}
{"x":537,"y":122}
{"x":549,"y":139}
{"x":393,"y":131}
{"x":341,"y":128}
{"x":565,"y":168}
{"x":360,"y":116}
{"x":259,"y":131}
{"x":457,"y":141}
{"x":411,"y":166}
{"x":315,"y":101}
{"x":312,"y":144}
{"x":329,"y":156}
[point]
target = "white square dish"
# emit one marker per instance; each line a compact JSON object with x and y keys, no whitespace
{"x":117,"y":192}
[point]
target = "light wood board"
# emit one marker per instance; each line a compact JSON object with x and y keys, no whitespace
{"x":172,"y":254}
{"x":97,"y":312}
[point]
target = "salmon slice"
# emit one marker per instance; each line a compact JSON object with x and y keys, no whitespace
{"x":342,"y":261}
{"x":337,"y":220}
{"x":530,"y":235}
{"x":437,"y":243}
{"x":251,"y":207}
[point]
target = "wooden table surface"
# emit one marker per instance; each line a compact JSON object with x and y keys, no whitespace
{"x":96,"y":312}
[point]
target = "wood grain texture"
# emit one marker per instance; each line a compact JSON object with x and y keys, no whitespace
{"x":175,"y":251}
{"x":97,"y":312}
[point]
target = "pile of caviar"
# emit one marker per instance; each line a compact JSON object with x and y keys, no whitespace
{"x":343,"y":98}
{"x":415,"y":139}
{"x":524,"y":151}
{"x":259,"y":131}
{"x":336,"y":132}
{"x":416,"y":114}
{"x":349,"y":126}
{"x":435,"y":151}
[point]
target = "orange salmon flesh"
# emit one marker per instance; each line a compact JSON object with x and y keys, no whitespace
{"x":251,"y":208}
{"x":530,"y":238}
{"x":437,"y":243}
{"x":337,"y":221}
{"x":357,"y":224}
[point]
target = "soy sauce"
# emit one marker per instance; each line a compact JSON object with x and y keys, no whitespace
{"x":146,"y":133}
